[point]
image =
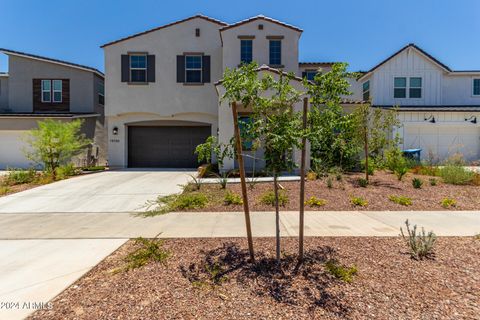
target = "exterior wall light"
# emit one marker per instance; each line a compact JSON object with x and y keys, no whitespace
{"x":472,"y":119}
{"x":115,"y":131}
{"x":430,"y":119}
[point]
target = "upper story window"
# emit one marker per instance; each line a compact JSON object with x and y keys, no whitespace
{"x":101,"y":93}
{"x":244,"y":121}
{"x":310,"y":74}
{"x":400,"y":87}
{"x":366,"y":90}
{"x":46,"y":91}
{"x":193,"y":69}
{"x":138,"y":68}
{"x":275,"y":52}
{"x":476,"y":87}
{"x":246,"y":51}
{"x":51,"y":91}
{"x":415,"y":90}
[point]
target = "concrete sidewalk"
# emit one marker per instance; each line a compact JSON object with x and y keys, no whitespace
{"x":231,"y":224}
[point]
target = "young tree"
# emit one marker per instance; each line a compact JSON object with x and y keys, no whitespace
{"x":55,"y":143}
{"x":210,"y":147}
{"x":280,"y":128}
{"x":242,"y":86}
{"x":332,"y":131}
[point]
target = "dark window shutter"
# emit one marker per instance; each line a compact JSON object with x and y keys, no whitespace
{"x":125,"y":68}
{"x":151,"y":68}
{"x":304,"y":74}
{"x":206,"y":69}
{"x":181,"y":69}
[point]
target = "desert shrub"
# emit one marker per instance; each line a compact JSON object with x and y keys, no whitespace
{"x":339,"y":177}
{"x":232,"y":198}
{"x":455,"y":174}
{"x":195,"y":184}
{"x":476,"y":179}
{"x":65,"y":171}
{"x":420,"y":244}
{"x":175,"y":202}
{"x":433,"y":182}
{"x":417,"y":183}
{"x":371,"y":166}
{"x":448,"y":203}
{"x":341,"y":272}
{"x":315,"y":202}
{"x":359,"y":201}
{"x":362,"y":182}
{"x":268,"y":198}
{"x":311,"y":176}
{"x":4,"y":190}
{"x":393,"y":157}
{"x":329,"y":183}
{"x":426,"y":170}
{"x":148,"y":251}
{"x":187,"y":201}
{"x":44,"y":178}
{"x":19,"y":176}
{"x":404,"y":201}
{"x":94,"y":168}
{"x":400,"y":172}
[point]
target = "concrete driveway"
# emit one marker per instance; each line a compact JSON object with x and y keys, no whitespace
{"x":111,"y":191}
{"x":39,"y":260}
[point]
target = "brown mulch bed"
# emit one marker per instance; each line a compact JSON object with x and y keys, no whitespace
{"x":388,"y":285}
{"x":382,"y":185}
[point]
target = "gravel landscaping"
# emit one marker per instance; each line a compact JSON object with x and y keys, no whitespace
{"x":382,"y":187}
{"x":210,"y":279}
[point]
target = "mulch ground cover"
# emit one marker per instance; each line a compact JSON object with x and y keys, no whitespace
{"x":382,"y":186}
{"x":211,"y":279}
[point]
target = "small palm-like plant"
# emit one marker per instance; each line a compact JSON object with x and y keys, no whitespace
{"x":420,"y":244}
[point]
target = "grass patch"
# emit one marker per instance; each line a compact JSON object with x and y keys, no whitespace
{"x":232,"y":198}
{"x":404,"y":201}
{"x":148,"y":251}
{"x":448,"y":203}
{"x":340,"y":272}
{"x":315,"y":202}
{"x":268,"y":198}
{"x":359,"y":201}
{"x":19,"y":176}
{"x":457,"y":175}
{"x":176,"y":202}
{"x":4,"y":190}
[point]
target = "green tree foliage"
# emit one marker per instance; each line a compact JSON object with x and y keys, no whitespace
{"x":55,"y":143}
{"x":332,"y":135}
{"x":210,"y":147}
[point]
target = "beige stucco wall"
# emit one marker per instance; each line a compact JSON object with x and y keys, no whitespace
{"x":22,"y":71}
{"x":260,"y":45}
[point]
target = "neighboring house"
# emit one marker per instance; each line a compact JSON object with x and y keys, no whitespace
{"x":439,"y":108}
{"x":38,"y":88}
{"x":163,"y":89}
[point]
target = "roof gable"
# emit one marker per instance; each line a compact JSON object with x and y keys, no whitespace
{"x":417,"y":50}
{"x":260,"y":17}
{"x":198,"y":16}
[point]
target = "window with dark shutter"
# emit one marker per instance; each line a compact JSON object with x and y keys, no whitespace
{"x":206,"y":69}
{"x":125,"y":68}
{"x":181,"y":69}
{"x":150,"y":68}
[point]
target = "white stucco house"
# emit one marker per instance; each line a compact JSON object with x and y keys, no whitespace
{"x":163,"y":87}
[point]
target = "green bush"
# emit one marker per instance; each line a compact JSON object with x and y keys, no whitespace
{"x":433,"y":182}
{"x":420,"y":244}
{"x":315,"y":202}
{"x":175,"y":202}
{"x":232,"y":199}
{"x":329,"y":182}
{"x":400,"y":172}
{"x":417,"y":183}
{"x":448,"y":203}
{"x":66,"y":171}
{"x":404,"y":201}
{"x":371,"y":166}
{"x":359,"y":201}
{"x":94,"y":168}
{"x":19,"y":176}
{"x":268,"y":198}
{"x":148,"y":251}
{"x":341,"y":272}
{"x":394,"y":158}
{"x":4,"y":190}
{"x":455,"y":174}
{"x":362,"y":182}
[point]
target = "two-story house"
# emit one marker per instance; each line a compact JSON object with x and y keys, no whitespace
{"x":37,"y":88}
{"x":439,"y":108}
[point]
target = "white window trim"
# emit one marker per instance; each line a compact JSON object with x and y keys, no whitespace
{"x":42,"y":90}
{"x":194,"y":69}
{"x":473,"y":88}
{"x":131,"y":69}
{"x":365,"y":91}
{"x":407,"y":87}
{"x":53,"y":91}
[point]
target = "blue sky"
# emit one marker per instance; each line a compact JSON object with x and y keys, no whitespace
{"x":360,"y":32}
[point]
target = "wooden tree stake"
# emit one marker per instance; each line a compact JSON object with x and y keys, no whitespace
{"x":302,"y":182}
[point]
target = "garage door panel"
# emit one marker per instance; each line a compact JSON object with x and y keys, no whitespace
{"x":165,"y":146}
{"x":12,"y":148}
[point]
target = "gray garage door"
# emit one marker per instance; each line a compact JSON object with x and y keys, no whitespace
{"x":165,"y":147}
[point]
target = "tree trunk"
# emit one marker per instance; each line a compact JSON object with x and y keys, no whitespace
{"x":302,"y":182}
{"x":277,"y":218}
{"x":241,"y":168}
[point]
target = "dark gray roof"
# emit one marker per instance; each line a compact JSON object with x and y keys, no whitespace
{"x":46,"y":115}
{"x":71,"y":64}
